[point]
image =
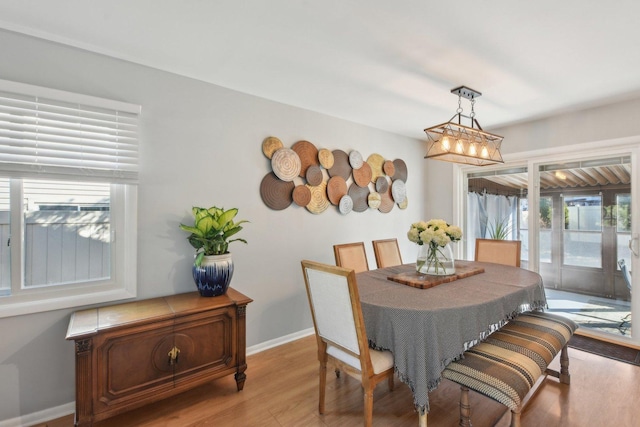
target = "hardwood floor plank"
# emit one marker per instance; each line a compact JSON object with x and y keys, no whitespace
{"x":282,"y":391}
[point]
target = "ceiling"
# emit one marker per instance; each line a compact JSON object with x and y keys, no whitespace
{"x":386,"y":64}
{"x":580,"y":176}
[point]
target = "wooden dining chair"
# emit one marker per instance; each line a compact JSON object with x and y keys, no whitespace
{"x":387,"y":253}
{"x":351,"y":255}
{"x":505,"y":252}
{"x":340,"y":332}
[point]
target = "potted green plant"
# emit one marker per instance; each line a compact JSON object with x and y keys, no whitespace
{"x":500,"y":229}
{"x":211,"y":235}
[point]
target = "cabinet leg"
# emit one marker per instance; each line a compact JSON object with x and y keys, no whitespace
{"x":241,"y":377}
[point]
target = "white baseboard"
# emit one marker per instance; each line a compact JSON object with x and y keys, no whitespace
{"x":69,"y":408}
{"x":278,"y":341}
{"x":41,"y":416}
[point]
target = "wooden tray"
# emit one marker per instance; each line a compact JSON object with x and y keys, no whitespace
{"x":426,"y":281}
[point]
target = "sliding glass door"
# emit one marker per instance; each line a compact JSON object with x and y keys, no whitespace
{"x":573,"y":215}
{"x":591,"y":231}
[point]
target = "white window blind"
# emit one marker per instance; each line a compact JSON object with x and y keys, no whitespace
{"x":47,"y":132}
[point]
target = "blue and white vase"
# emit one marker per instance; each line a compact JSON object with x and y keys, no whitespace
{"x":213,"y":275}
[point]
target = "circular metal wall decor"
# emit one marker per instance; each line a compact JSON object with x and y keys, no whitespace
{"x":346,"y":204}
{"x":319,"y":202}
{"x":286,"y":164}
{"x":355,"y":159}
{"x":301,"y":195}
{"x":275,"y":193}
{"x":326,"y":158}
{"x":382,"y":184}
{"x":404,"y":203}
{"x":341,"y":166}
{"x":400,"y":170}
{"x":362,"y":176}
{"x":317,"y":178}
{"x":389,"y":168}
{"x":270,"y":145}
{"x":308,"y":154}
{"x":314,"y":175}
{"x":398,"y":191}
{"x":375,"y":161}
{"x":374,"y":200}
{"x":359,"y":195}
{"x":386,"y":202}
{"x":336,"y":188}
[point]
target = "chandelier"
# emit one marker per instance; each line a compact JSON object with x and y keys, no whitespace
{"x":454,"y":142}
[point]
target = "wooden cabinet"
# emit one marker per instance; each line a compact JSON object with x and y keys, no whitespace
{"x":132,"y":354}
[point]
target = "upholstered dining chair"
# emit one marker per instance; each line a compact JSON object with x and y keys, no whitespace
{"x":505,"y":252}
{"x":340,"y":332}
{"x":351,"y":255}
{"x":387,"y":253}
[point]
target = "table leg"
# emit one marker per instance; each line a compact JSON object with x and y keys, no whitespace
{"x":422,"y":419}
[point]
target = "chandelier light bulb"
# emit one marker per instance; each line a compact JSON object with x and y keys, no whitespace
{"x":445,"y":144}
{"x":484,"y":153}
{"x":459,"y":147}
{"x":472,"y":150}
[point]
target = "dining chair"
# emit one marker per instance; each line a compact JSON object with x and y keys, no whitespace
{"x":351,"y":255}
{"x":387,"y":253}
{"x":340,"y":332}
{"x":505,"y":252}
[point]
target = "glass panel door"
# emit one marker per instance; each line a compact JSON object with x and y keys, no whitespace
{"x":588,"y":204}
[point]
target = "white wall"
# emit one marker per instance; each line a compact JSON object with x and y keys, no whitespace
{"x":200,"y":145}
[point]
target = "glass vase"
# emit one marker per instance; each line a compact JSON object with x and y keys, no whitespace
{"x":435,"y":260}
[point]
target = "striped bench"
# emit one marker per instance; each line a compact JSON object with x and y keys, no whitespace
{"x":507,"y":365}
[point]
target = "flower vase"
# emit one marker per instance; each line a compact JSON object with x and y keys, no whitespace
{"x":435,"y":260}
{"x":213,"y":275}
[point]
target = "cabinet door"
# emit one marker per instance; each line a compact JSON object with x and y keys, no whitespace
{"x":133,"y":364}
{"x":207,"y":345}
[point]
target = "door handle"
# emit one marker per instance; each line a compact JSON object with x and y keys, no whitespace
{"x":173,"y":354}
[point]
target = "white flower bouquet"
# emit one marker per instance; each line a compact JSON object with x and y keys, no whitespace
{"x":435,"y":234}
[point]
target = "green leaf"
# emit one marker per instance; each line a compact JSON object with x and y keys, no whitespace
{"x":206,"y":224}
{"x":227,"y":216}
{"x":190,"y":229}
{"x":198,"y":260}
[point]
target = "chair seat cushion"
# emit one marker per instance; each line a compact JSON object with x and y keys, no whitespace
{"x":380,"y":360}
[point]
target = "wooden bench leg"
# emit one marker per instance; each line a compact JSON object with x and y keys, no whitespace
{"x":564,"y":366}
{"x":515,"y":418}
{"x":465,"y":407}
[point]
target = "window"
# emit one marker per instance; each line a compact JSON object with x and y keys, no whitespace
{"x":68,"y":175}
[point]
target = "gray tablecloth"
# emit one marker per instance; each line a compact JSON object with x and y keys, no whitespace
{"x":428,"y":328}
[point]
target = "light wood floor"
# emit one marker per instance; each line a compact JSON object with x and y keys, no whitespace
{"x":282,"y":391}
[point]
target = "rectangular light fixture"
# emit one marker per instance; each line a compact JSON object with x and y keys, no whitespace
{"x":454,"y":142}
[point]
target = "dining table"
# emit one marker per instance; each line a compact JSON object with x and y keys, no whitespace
{"x":427,"y":328}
